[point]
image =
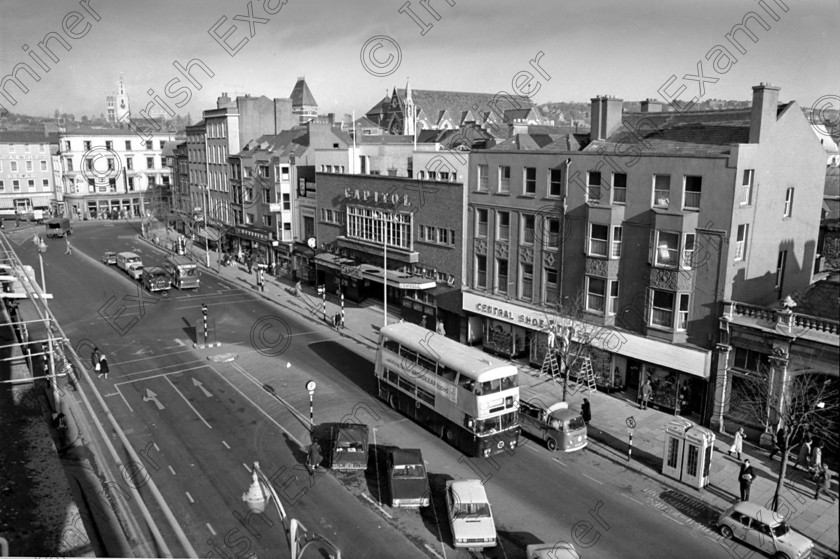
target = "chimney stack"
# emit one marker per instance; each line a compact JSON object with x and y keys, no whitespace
{"x":224,"y":102}
{"x":765,"y":104}
{"x":651,"y":106}
{"x":605,"y":116}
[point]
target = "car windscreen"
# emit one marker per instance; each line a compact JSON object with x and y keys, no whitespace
{"x":478,"y":510}
{"x":410,"y":471}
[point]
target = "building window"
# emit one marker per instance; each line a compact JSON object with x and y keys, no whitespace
{"x":503,"y":226}
{"x":149,"y":146}
{"x":150,"y":162}
{"x":692,"y":192}
{"x":527,"y":229}
{"x":613,"y":308}
{"x":109,"y":145}
{"x":379,"y":227}
{"x":110,"y":163}
{"x":552,"y":226}
{"x":501,"y":275}
{"x":688,"y":251}
{"x":30,"y":184}
{"x":482,"y":177}
{"x":162,"y":144}
{"x":661,"y":191}
{"x":43,"y":165}
{"x":130,"y":184}
{"x":615,"y":247}
{"x":749,"y":360}
{"x":15,"y":185}
{"x":112,"y":185}
{"x":504,"y":179}
{"x":480,"y":271}
{"x":45,"y":184}
{"x":2,"y":186}
{"x":69,"y":164}
{"x":29,"y":166}
{"x":13,"y":166}
{"x":667,"y":247}
{"x":67,"y":145}
{"x":263,"y":171}
{"x":128,"y":145}
{"x":87,"y":145}
{"x":619,"y":188}
{"x":747,"y":186}
{"x":481,"y":222}
{"x":595,"y":294}
{"x":527,"y":281}
{"x":788,"y":202}
{"x":550,"y":278}
{"x":555,"y":182}
{"x":249,"y":219}
{"x":287,"y":200}
{"x":662,"y":308}
{"x":682,"y":314}
{"x":593,"y":186}
{"x":741,"y":242}
{"x":129,"y":163}
{"x":598,"y":239}
{"x":781,"y":263}
{"x":266,"y":220}
{"x":530,"y":181}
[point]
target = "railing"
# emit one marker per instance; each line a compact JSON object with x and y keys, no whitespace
{"x":800,"y":320}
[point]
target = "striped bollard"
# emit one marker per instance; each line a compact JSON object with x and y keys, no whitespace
{"x":325,"y":301}
{"x":630,"y":448}
{"x":342,"y":309}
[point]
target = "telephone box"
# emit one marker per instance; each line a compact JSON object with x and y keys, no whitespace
{"x":688,"y":453}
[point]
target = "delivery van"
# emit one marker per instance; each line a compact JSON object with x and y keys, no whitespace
{"x":126,"y":259}
{"x":59,"y":227}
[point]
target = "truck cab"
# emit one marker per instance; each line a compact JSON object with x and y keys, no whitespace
{"x":349,"y":448}
{"x":557,"y":426}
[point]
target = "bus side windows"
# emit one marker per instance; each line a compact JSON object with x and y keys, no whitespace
{"x":426,"y":363}
{"x":391,"y":345}
{"x":466,"y":383}
{"x":446,"y":373}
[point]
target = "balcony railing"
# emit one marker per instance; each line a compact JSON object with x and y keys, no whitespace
{"x":800,"y":320}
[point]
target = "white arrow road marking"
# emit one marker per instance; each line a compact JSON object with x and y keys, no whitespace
{"x":197,"y":383}
{"x":152,"y":397}
{"x":188,"y":403}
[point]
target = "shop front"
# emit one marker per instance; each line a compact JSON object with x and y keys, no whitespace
{"x":249,"y":240}
{"x":621,"y":361}
{"x":303,"y":263}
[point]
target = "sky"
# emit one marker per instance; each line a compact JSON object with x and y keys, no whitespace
{"x":353,"y":52}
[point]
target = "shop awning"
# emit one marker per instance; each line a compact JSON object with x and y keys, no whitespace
{"x":336,"y":262}
{"x":210,"y":233}
{"x":7,"y":204}
{"x":396,"y":279}
{"x":41,"y":201}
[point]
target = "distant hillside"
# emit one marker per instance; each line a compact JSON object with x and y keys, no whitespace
{"x":19,"y":122}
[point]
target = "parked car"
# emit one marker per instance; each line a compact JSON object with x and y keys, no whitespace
{"x":109,"y":258}
{"x":126,"y":259}
{"x":470,"y":516}
{"x":407,"y":478}
{"x":135,"y":271}
{"x":155,"y":279}
{"x":560,"y":550}
{"x":556,"y":425}
{"x":765,"y":530}
{"x":349,"y":446}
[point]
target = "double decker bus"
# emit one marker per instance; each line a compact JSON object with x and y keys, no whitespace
{"x":468,"y":398}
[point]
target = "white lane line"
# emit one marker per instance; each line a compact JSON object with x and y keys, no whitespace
{"x":117,"y":388}
{"x":171,"y":470}
{"x":246,"y":467}
{"x":156,"y":447}
{"x":175,"y":388}
{"x":430,"y":550}
{"x":253,"y":403}
{"x":152,"y":357}
{"x":212,"y":531}
{"x":372,"y":502}
{"x":593,"y":479}
{"x":190,"y":497}
{"x":160,"y":375}
{"x":226,"y":445}
{"x":634,"y":500}
{"x":559,"y":462}
{"x":669,"y":517}
{"x":161,"y":367}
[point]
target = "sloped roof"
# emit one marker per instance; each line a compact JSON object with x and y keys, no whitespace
{"x":365,"y":122}
{"x":26,"y":137}
{"x":456,"y":102}
{"x":692,"y":133}
{"x":821,"y":299}
{"x":301,"y":96}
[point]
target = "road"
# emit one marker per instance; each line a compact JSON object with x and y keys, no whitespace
{"x":200,"y":424}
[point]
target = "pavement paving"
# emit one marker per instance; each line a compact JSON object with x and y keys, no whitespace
{"x":612,"y":414}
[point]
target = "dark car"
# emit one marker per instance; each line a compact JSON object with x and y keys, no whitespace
{"x":156,"y":279}
{"x":109,"y":258}
{"x":407,"y":478}
{"x":349,"y":446}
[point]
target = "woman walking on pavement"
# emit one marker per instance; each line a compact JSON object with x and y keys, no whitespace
{"x":804,"y":458}
{"x":103,"y":367}
{"x":647,"y":390}
{"x":745,"y":479}
{"x":738,"y":445}
{"x":586,"y":411}
{"x":314,"y":458}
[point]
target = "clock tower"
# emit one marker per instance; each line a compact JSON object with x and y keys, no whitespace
{"x":121,"y":102}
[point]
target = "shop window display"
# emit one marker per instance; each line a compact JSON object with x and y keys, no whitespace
{"x":664,"y":384}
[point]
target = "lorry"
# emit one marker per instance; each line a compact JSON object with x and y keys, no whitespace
{"x":349,"y":448}
{"x":183,"y":272}
{"x":59,"y":227}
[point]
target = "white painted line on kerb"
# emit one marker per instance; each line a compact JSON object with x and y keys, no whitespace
{"x":188,"y":402}
{"x":593,"y":479}
{"x":212,"y":531}
{"x":246,"y":467}
{"x":560,"y":462}
{"x":156,"y":447}
{"x":372,"y":502}
{"x":171,"y":470}
{"x":669,"y":517}
{"x":430,"y":550}
{"x":634,"y":500}
{"x":227,"y":446}
{"x":190,"y":497}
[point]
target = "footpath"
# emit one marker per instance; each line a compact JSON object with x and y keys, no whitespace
{"x":612,"y":416}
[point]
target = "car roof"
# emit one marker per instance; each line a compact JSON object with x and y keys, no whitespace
{"x":756,"y":511}
{"x":406,"y":456}
{"x":468,"y":490}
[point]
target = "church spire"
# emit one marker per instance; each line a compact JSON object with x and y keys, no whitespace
{"x":409,"y":113}
{"x":122,"y":108}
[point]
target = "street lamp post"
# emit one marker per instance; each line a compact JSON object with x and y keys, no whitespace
{"x":206,"y":241}
{"x":42,"y":248}
{"x":385,"y":274}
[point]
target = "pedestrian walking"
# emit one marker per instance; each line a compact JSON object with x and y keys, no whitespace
{"x":103,"y":367}
{"x":249,"y":263}
{"x":822,"y":479}
{"x":816,"y":455}
{"x":69,"y":249}
{"x":94,"y":358}
{"x":314,"y":457}
{"x":586,"y":411}
{"x":738,"y":444}
{"x":779,"y":446}
{"x":804,"y":458}
{"x":647,"y":390}
{"x":17,"y":218}
{"x":745,"y":479}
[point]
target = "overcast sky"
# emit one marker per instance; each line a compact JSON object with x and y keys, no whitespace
{"x":628,"y":49}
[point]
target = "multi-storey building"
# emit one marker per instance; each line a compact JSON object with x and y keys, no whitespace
{"x":304,"y":105}
{"x":637,"y":239}
{"x":27,"y":172}
{"x":109,"y":172}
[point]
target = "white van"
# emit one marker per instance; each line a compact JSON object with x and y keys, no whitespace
{"x":126,"y":259}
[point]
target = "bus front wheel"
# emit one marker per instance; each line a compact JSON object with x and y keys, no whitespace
{"x":551,"y":444}
{"x":392,"y":400}
{"x":449,"y":435}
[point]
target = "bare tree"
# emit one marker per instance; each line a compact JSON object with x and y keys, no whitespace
{"x":801,"y":403}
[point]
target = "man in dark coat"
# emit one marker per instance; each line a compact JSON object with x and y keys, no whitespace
{"x":586,"y":411}
{"x":780,"y":443}
{"x":745,"y":479}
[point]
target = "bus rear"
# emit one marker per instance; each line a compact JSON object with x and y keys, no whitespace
{"x":183,"y":271}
